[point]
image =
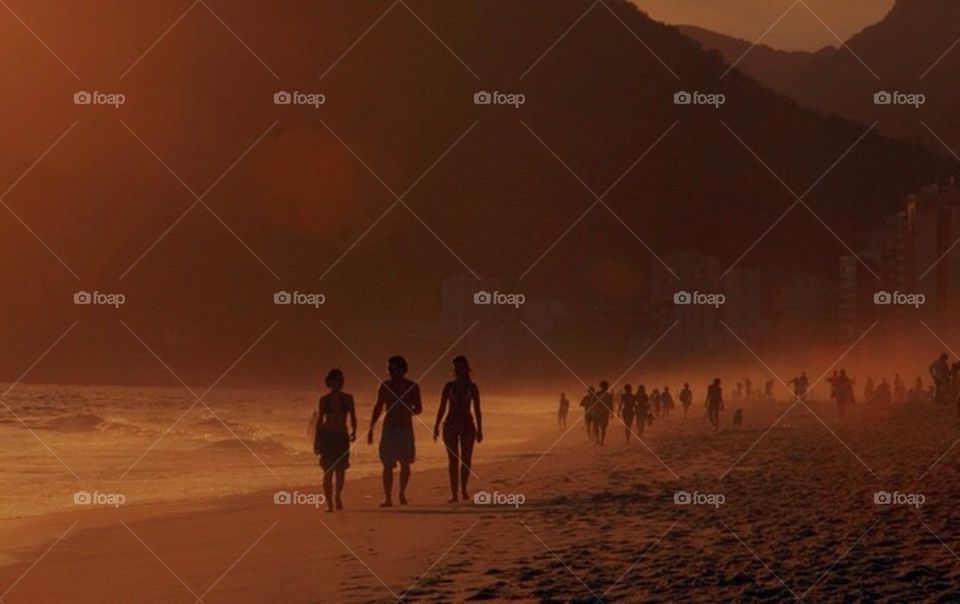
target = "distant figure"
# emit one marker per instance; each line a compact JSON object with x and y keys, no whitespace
{"x":666,"y":401}
{"x":655,"y":402}
{"x":899,"y":390}
{"x":738,"y":418}
{"x":868,"y":390}
{"x":748,"y":389}
{"x":883,"y":395}
{"x":587,"y":403}
{"x":714,"y":403}
{"x":604,"y":409}
{"x":459,"y":431}
{"x":768,"y":390}
{"x":563,"y":411}
{"x":686,"y":398}
{"x":628,"y":410}
{"x":800,"y":385}
{"x":644,"y":417}
{"x":841,"y":387}
{"x":400,"y":398}
{"x":940,"y":372}
{"x":331,"y":440}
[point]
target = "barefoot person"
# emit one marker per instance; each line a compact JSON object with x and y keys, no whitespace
{"x":628,"y":409}
{"x":643,"y":410}
{"x":459,"y":431}
{"x":714,"y":403}
{"x":401,"y":399}
{"x":331,"y":439}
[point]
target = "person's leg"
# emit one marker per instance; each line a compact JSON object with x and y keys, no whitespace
{"x":341,"y":477}
{"x":466,"y":457}
{"x":450,"y":441}
{"x":404,"y":480}
{"x":328,"y":489}
{"x":387,"y":486}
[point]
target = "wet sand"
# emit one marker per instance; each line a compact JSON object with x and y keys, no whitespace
{"x":798,"y":521}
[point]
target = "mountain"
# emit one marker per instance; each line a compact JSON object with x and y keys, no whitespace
{"x":777,"y":69}
{"x":297,"y":192}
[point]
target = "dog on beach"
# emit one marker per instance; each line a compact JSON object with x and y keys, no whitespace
{"x":738,"y":418}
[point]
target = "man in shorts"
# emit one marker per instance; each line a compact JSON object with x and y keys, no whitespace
{"x":400,"y":398}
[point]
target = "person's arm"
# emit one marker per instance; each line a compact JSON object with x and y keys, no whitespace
{"x":476,"y":411}
{"x":353,"y":420}
{"x":417,"y":408}
{"x":444,"y":395}
{"x":377,"y":410}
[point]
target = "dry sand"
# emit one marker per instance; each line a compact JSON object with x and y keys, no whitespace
{"x":798,"y":522}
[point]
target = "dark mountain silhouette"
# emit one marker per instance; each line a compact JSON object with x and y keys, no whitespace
{"x":777,"y":69}
{"x":300,"y":200}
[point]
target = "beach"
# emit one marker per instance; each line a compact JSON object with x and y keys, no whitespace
{"x":782,"y":508}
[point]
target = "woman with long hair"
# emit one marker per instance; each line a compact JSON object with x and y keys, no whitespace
{"x":459,"y":431}
{"x":331,"y":440}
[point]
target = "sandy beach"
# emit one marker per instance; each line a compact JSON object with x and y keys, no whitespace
{"x":796,"y":520}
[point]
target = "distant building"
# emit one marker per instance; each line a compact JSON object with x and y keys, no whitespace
{"x":932,"y":230}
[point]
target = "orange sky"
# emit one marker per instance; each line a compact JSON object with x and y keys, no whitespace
{"x":749,"y":19}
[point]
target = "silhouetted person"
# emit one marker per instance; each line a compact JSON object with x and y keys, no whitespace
{"x":628,"y":409}
{"x":331,"y":439}
{"x":587,"y":402}
{"x":563,"y":411}
{"x":748,"y":389}
{"x":666,"y":401}
{"x":644,"y":416}
{"x":868,"y":390}
{"x":841,"y":387}
{"x":768,"y":390}
{"x":940,"y":372}
{"x":459,"y":431}
{"x":800,"y":385}
{"x":400,"y":398}
{"x":899,"y":389}
{"x":604,"y":409}
{"x":656,"y":402}
{"x":714,"y":403}
{"x":883,"y":394}
{"x":686,"y":398}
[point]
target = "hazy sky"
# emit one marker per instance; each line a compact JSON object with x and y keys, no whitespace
{"x":749,"y":19}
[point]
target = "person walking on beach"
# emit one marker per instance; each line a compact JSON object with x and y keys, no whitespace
{"x":686,"y":398}
{"x":587,"y":402}
{"x":628,"y":410}
{"x":563,"y":411}
{"x":800,"y":385}
{"x":644,"y":416}
{"x":398,"y":400}
{"x":714,"y":403}
{"x":331,"y":439}
{"x":655,"y":402}
{"x":940,"y":372}
{"x":666,"y":401}
{"x":459,"y":431}
{"x":604,"y":409}
{"x":842,"y":388}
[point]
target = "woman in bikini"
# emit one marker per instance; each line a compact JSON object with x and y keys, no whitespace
{"x":459,"y":430}
{"x":331,"y":440}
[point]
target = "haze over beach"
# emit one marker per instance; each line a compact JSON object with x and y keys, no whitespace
{"x":420,"y":301}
